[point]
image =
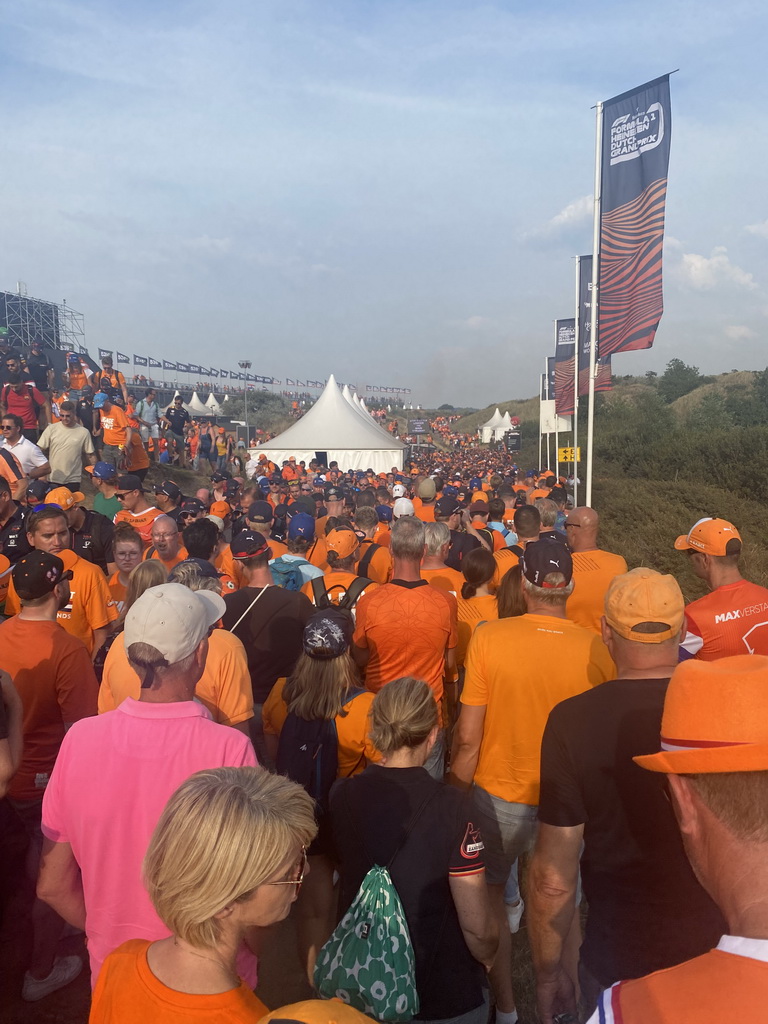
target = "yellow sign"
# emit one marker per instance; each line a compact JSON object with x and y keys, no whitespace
{"x":567,"y":454}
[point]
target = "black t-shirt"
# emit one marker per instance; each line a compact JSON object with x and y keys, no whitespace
{"x":461,"y":543}
{"x":271,"y":632}
{"x":38,"y":367}
{"x":646,"y":909}
{"x":13,"y":536}
{"x":94,"y":540}
{"x":177,"y":419}
{"x":370,"y":815}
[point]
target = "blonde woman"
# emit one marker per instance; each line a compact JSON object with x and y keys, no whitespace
{"x":324,"y":688}
{"x":396,"y":814}
{"x":227,"y":855}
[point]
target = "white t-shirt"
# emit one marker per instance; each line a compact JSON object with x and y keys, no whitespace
{"x":65,"y":447}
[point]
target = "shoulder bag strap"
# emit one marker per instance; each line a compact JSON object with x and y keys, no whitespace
{"x":365,"y":562}
{"x":253,"y":602}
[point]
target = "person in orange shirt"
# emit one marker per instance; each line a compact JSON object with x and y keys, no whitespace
{"x":232,"y":838}
{"x":527,"y":525}
{"x":714,"y":754}
{"x":90,"y":610}
{"x":504,"y":708}
{"x":425,"y":505}
{"x":593,"y":568}
{"x":334,"y":585}
{"x":374,"y":560}
{"x":116,"y":430}
{"x":259,"y":518}
{"x":323,"y":686}
{"x":128,"y":548}
{"x":494,"y":541}
{"x":166,"y":542}
{"x":476,"y":603}
{"x":135,"y":510}
{"x":437,"y":541}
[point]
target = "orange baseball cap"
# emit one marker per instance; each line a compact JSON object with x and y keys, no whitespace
{"x":715,"y":718}
{"x":64,"y":498}
{"x":709,"y":536}
{"x":220,"y":508}
{"x":343,"y":542}
{"x":317,"y":1011}
{"x":644,"y":595}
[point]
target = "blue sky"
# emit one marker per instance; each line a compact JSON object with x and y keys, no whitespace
{"x":389,"y":191}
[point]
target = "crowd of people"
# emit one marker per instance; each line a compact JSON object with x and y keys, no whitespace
{"x":302,"y":682}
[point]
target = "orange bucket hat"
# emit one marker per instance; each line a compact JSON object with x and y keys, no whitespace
{"x":715,"y":718}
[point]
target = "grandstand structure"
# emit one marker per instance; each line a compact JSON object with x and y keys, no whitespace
{"x":24,"y":320}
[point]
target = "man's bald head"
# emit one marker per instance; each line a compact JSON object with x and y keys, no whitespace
{"x":581,"y":525}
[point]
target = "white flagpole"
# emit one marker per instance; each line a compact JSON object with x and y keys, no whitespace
{"x":541,"y":399}
{"x":576,"y":351}
{"x":549,"y":399}
{"x":595,"y":297}
{"x":557,"y":425}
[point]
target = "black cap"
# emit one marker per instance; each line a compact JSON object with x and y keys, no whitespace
{"x":333,"y":494}
{"x":260,"y":512}
{"x":447,"y":506}
{"x":249,"y":543}
{"x":169,"y":488}
{"x":217,"y":478}
{"x":37,"y":574}
{"x":541,"y":558}
{"x":193,"y":505}
{"x":328,"y":634}
{"x":129,"y":483}
{"x":39,"y":488}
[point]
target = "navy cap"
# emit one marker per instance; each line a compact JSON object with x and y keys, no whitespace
{"x":248,"y":543}
{"x":541,"y":558}
{"x":301,"y":525}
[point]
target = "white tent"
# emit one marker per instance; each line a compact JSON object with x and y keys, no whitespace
{"x":488,"y":431}
{"x":336,"y":430}
{"x":196,"y":408}
{"x":212,"y":405}
{"x":507,"y":425}
{"x":366,"y":417}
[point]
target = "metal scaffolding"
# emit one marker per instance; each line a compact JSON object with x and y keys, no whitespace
{"x":56,"y":325}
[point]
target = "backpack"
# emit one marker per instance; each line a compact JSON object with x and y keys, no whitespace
{"x":322,"y":598}
{"x":286,"y":572}
{"x":308,"y":753}
{"x":368,"y":962}
{"x":365,"y":562}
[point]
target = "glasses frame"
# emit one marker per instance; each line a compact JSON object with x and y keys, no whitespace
{"x":302,"y":871}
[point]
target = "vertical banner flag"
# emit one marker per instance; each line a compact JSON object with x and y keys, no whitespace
{"x":603,"y":364}
{"x":551,"y":378}
{"x":565,"y":335}
{"x":634,"y":161}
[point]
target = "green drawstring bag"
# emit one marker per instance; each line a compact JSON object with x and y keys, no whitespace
{"x":368,"y":961}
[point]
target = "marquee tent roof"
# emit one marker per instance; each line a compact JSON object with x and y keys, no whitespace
{"x":341,"y":430}
{"x":497,"y":420}
{"x":196,"y":407}
{"x":212,"y":405}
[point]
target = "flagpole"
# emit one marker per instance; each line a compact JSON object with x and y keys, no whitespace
{"x":557,"y":424}
{"x":595,"y":297}
{"x":541,"y":399}
{"x":548,"y":400}
{"x":576,"y":352}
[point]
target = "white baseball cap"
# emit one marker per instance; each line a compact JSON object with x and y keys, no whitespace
{"x":402,"y":507}
{"x":399,"y":491}
{"x":173,"y":619}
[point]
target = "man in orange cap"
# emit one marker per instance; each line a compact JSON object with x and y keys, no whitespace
{"x":600,"y":811}
{"x":714,"y":753}
{"x":733,"y":618}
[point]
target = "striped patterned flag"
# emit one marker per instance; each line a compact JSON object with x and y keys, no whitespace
{"x":635,"y":158}
{"x":565,"y":334}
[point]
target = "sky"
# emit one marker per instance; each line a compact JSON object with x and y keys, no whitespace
{"x":389,"y":191}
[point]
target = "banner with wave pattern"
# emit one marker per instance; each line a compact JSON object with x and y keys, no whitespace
{"x":565,"y":356}
{"x":635,"y":158}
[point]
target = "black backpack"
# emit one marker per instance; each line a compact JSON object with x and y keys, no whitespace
{"x":308,"y":753}
{"x":322,"y":598}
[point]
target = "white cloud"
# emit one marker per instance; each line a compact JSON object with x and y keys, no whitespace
{"x":739,"y":332}
{"x":575,"y":215}
{"x":705,"y":273}
{"x":474,"y":323}
{"x":761,"y":229}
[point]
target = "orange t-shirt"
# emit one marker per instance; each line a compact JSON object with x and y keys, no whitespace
{"x":540,"y":492}
{"x":472,"y":611}
{"x":407,"y":627}
{"x":355,"y":749}
{"x":180,"y":555}
{"x":224,"y":687}
{"x":115,"y":423}
{"x":117,"y":592}
{"x":138,"y":458}
{"x":77,"y":379}
{"x":127,"y":991}
{"x":426,"y":513}
{"x":57,"y":687}
{"x":379,"y":568}
{"x":592,"y":575}
{"x":231,"y":568}
{"x":140,"y":521}
{"x":90,"y":606}
{"x":383,"y":535}
{"x":445,"y":578}
{"x":318,"y":552}
{"x":337,"y":582}
{"x":505,"y":674}
{"x":729,"y":620}
{"x":506,"y":559}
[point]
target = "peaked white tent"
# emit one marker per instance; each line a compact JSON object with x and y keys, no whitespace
{"x":196,"y":408}
{"x":336,"y":430}
{"x":488,"y":431}
{"x":507,"y":424}
{"x":366,"y":417}
{"x":212,"y":405}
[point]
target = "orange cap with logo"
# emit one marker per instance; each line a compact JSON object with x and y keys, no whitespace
{"x":710,"y":536}
{"x":715,"y":718}
{"x":640,"y":596}
{"x":64,"y":498}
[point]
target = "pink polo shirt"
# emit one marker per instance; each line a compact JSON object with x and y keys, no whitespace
{"x":112,"y":779}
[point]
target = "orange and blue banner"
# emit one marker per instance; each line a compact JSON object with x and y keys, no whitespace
{"x":565,"y":345}
{"x":634,"y":162}
{"x":602,"y":363}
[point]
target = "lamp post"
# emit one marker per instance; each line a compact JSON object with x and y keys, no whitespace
{"x":246,"y":364}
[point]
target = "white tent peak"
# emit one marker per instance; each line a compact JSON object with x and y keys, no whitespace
{"x":196,"y":407}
